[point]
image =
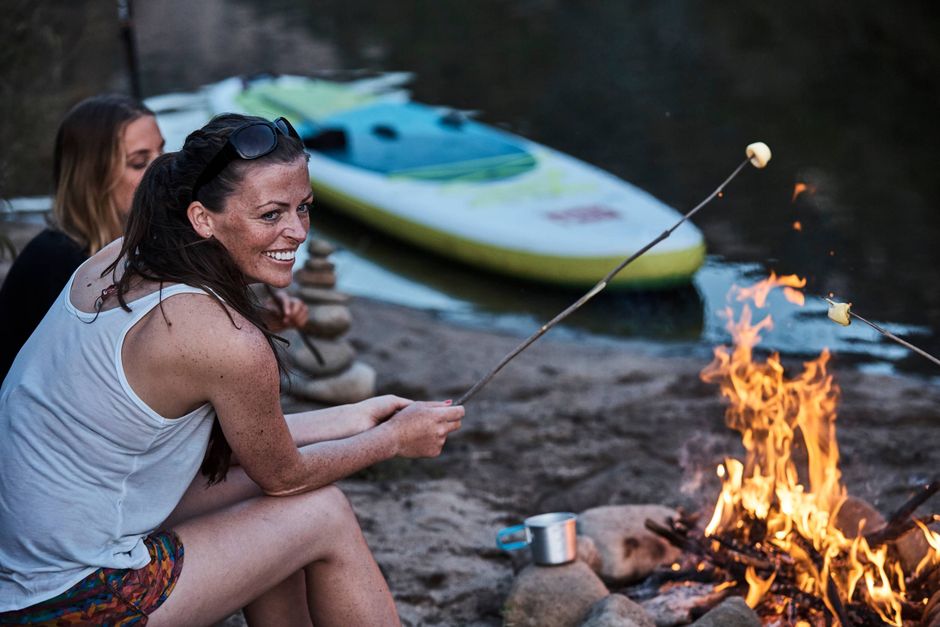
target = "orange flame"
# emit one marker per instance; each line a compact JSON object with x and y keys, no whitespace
{"x":760,"y":290}
{"x":795,"y":505}
{"x":797,"y":226}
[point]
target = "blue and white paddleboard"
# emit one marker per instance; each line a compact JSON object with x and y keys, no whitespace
{"x":465,"y":190}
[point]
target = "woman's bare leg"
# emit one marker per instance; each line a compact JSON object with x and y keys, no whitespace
{"x":283,"y":605}
{"x":236,"y":554}
{"x":201,"y":499}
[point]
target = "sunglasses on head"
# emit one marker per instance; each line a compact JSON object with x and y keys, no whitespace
{"x":251,"y":140}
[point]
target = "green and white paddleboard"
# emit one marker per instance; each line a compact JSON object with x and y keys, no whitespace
{"x":462,"y":189}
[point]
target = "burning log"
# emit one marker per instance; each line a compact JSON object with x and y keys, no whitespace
{"x":900,"y":521}
{"x":730,"y":568}
{"x":733,"y":563}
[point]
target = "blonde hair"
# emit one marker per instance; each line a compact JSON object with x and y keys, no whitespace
{"x":87,"y":165}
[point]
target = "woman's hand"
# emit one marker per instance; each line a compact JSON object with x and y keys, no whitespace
{"x":343,"y":421}
{"x":422,"y":428}
{"x":285,"y":312}
{"x":374,"y":411}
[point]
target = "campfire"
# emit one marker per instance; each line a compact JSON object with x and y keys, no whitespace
{"x":774,"y":536}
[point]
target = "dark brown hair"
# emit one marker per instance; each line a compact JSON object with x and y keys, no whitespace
{"x":86,"y":164}
{"x":161,"y":245}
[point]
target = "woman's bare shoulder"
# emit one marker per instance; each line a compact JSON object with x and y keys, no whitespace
{"x":205,"y":323}
{"x":189,"y":345}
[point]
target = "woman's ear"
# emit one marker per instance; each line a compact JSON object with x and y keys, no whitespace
{"x":200,"y":218}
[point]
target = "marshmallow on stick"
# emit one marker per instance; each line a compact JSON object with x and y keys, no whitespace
{"x":843,"y":314}
{"x":759,"y":154}
{"x":839,"y":312}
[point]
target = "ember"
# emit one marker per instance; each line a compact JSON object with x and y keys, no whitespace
{"x":801,"y":188}
{"x":773,"y":531}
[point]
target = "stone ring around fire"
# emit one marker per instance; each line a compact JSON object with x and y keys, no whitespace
{"x":759,"y":154}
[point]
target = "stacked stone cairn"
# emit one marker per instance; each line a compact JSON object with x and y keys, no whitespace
{"x":339,"y":378}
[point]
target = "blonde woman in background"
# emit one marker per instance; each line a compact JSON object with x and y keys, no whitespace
{"x":102,"y":148}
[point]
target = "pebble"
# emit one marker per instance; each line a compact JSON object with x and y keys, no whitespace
{"x":732,"y":612}
{"x":315,"y":278}
{"x":617,"y":610}
{"x":354,"y":384}
{"x":314,"y":295}
{"x":318,"y":263}
{"x":320,"y":247}
{"x":329,"y":321}
{"x":337,"y":355}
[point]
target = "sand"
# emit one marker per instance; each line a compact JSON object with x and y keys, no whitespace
{"x":569,"y":427}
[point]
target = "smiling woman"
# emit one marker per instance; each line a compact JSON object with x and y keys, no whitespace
{"x":169,"y":368}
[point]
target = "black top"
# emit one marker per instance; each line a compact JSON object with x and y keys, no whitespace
{"x":32,"y":285}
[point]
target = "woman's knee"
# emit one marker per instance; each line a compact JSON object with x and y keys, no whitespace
{"x":328,"y":509}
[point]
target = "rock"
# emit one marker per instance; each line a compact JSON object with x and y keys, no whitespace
{"x":674,"y":604}
{"x":320,"y":247}
{"x":587,"y":553}
{"x":552,"y":596}
{"x":350,"y":386}
{"x":315,"y":295}
{"x":328,"y":320}
{"x":315,"y":278}
{"x":628,"y":550}
{"x":617,"y":610}
{"x":732,"y":612}
{"x":912,"y":548}
{"x":337,"y":355}
{"x":317,"y":264}
{"x":852,"y":512}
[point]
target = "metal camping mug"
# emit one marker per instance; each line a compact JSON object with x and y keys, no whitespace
{"x":553,"y":538}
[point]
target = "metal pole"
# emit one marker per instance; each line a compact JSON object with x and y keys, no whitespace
{"x":126,"y":21}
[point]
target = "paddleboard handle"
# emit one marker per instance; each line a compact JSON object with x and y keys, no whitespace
{"x":610,"y":275}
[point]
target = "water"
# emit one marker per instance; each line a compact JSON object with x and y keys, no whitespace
{"x":679,"y":321}
{"x":665,"y":95}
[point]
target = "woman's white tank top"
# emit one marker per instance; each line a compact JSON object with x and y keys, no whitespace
{"x":87,"y":469}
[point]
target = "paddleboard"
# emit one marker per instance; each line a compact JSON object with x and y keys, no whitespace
{"x":440,"y":180}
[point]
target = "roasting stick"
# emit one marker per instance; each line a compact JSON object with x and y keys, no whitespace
{"x":840,"y":312}
{"x":758,"y":154}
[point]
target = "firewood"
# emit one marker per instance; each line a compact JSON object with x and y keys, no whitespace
{"x":899,"y":522}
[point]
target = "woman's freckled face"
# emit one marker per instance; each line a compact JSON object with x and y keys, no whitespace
{"x":141,"y":143}
{"x":266,"y":220}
